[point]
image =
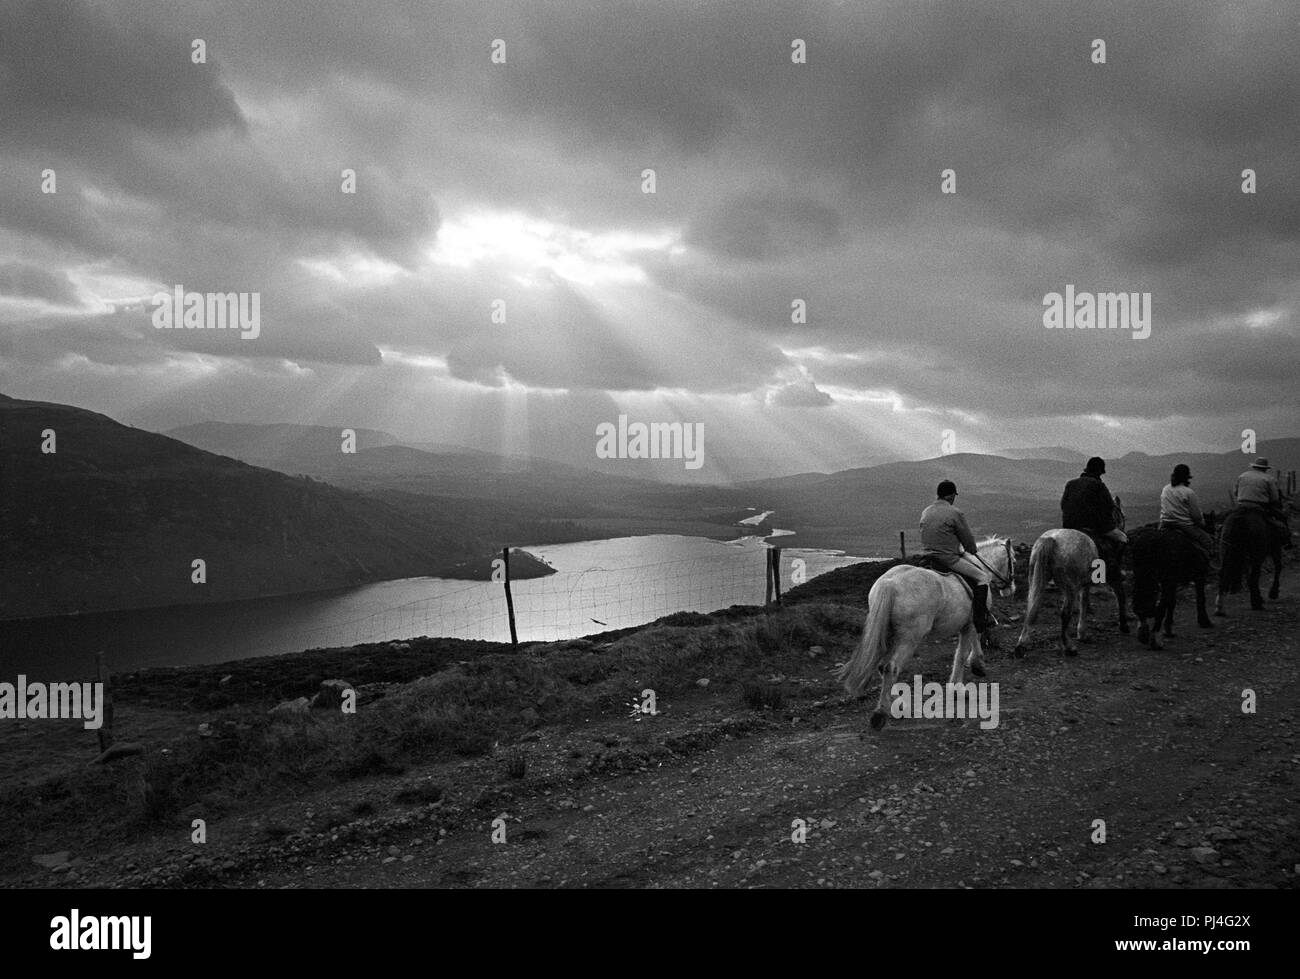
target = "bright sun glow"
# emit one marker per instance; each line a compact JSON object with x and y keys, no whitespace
{"x":531,"y":248}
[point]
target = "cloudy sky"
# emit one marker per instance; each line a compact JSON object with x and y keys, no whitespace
{"x":774,"y":181}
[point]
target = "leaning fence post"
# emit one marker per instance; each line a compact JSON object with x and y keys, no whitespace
{"x":105,"y":732}
{"x":767,"y":576}
{"x":510,"y":602}
{"x":902,"y":544}
{"x":776,"y":573}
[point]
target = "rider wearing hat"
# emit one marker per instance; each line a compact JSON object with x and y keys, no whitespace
{"x":1181,"y":511}
{"x":1086,"y":505}
{"x":946,"y":539}
{"x":1254,"y":490}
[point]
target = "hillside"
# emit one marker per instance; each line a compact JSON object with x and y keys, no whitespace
{"x":751,"y":733}
{"x":114,"y":518}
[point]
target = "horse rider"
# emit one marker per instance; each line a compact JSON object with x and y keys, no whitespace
{"x":1181,"y":511}
{"x":1086,"y":505}
{"x":1254,"y":490}
{"x":946,"y":539}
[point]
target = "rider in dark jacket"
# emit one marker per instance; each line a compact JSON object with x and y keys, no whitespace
{"x":1086,"y":505}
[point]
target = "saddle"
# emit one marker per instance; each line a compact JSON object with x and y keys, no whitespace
{"x":931,"y":563}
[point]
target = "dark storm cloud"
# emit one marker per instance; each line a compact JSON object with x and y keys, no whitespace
{"x":817,"y":181}
{"x":21,"y":281}
{"x":66,"y":64}
{"x":765,"y":227}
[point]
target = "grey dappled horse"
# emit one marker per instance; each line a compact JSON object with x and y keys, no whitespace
{"x":1067,"y":557}
{"x":907,"y":605}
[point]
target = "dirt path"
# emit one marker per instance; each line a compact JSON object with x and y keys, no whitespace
{"x":1193,"y":792}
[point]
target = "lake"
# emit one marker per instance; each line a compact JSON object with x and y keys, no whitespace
{"x":599,"y":585}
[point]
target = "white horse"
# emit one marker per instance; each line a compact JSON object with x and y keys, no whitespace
{"x":1068,"y":557}
{"x":908,"y":604}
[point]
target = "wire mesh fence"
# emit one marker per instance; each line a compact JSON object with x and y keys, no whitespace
{"x":569,"y":604}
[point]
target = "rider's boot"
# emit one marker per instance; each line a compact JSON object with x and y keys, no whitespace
{"x":980,"y":607}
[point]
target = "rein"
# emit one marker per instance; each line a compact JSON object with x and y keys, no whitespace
{"x":1002,"y":582}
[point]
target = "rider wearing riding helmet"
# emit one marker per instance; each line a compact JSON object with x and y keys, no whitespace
{"x":1181,"y":511}
{"x":946,"y":539}
{"x":1086,"y":505}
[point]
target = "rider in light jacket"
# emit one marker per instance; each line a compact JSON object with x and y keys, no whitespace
{"x":1180,"y":510}
{"x":946,"y":539}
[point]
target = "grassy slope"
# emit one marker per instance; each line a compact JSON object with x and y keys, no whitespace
{"x":115,"y":517}
{"x":434,"y":699}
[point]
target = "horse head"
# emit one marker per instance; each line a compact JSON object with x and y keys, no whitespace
{"x":998,"y":554}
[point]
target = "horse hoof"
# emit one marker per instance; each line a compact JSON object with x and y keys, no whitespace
{"x":1273,"y":594}
{"x":1144,"y":635}
{"x":878,"y":719}
{"x":1071,"y":651}
{"x":977,"y":669}
{"x":1220,"y":613}
{"x":1124,"y":630}
{"x":1019,"y":652}
{"x":1206,"y":624}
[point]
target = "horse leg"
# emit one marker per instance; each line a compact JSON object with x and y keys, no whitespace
{"x":1277,"y":572}
{"x":1031,"y":613}
{"x":1202,"y":619}
{"x":1069,"y":598}
{"x":1168,"y":600}
{"x":969,"y":653}
{"x":1117,"y":586}
{"x":1085,"y":606}
{"x":902,"y":652}
{"x":1256,"y":598}
{"x":1150,"y":637}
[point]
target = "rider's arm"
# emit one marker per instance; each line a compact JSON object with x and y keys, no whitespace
{"x":1103,"y":517}
{"x":1194,"y":509}
{"x":963,"y":533}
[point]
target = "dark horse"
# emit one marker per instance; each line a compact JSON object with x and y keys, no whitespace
{"x":1248,"y":537}
{"x":1163,"y":560}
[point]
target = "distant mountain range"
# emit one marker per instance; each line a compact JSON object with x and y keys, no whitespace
{"x":1020,"y":497}
{"x":1059,"y":453}
{"x":114,"y":517}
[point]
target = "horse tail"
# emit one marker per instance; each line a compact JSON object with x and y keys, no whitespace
{"x":1041,"y":559}
{"x":856,"y":673}
{"x":1232,"y":550}
{"x":1144,"y":547}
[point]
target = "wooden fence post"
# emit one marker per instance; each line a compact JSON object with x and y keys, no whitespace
{"x":767,"y":577}
{"x":902,"y":544}
{"x":105,"y":732}
{"x":510,"y":602}
{"x":776,"y":572}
